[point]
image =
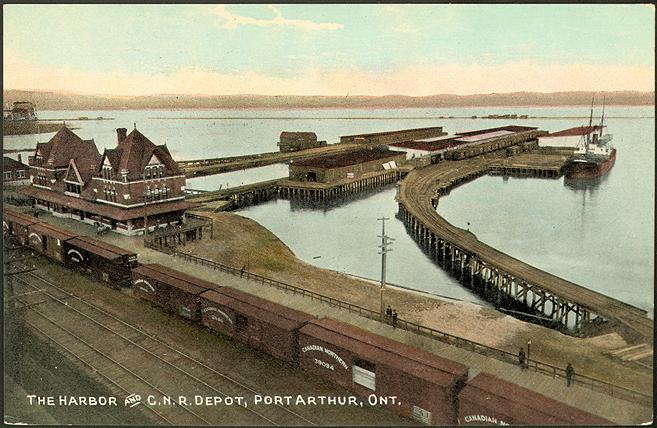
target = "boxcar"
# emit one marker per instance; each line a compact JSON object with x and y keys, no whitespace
{"x":260,"y":323}
{"x":107,"y":262}
{"x":48,"y":239}
{"x":15,"y":224}
{"x":488,"y":400}
{"x":170,"y":289}
{"x":425,"y":384}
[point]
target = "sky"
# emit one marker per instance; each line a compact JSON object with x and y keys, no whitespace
{"x":328,"y":49}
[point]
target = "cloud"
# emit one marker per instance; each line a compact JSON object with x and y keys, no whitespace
{"x":233,"y":21}
{"x":410,"y":80}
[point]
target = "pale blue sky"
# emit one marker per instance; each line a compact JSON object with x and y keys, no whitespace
{"x":77,"y":42}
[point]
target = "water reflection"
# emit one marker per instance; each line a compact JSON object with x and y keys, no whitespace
{"x":325,"y":207}
{"x":587,"y":185}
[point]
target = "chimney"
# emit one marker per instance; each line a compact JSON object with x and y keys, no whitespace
{"x":19,"y":158}
{"x":121,"y":134}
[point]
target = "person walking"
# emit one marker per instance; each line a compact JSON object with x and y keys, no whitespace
{"x":522,"y":358}
{"x":388,"y":313}
{"x":394,"y":318}
{"x":570,"y":374}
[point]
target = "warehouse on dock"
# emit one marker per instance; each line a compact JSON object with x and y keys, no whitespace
{"x":438,"y":147}
{"x":135,"y":186}
{"x":389,"y":137}
{"x":293,"y":141}
{"x":346,"y":166}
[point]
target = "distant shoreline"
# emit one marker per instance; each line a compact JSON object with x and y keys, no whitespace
{"x":56,"y":101}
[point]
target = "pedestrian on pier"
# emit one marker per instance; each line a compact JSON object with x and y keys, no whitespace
{"x":394,"y":318}
{"x":570,"y":374}
{"x":388,"y":313}
{"x":522,"y":358}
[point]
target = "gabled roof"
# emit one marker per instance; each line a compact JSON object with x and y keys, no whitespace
{"x":64,"y":146}
{"x":134,"y":153}
{"x":73,"y":174}
{"x":9,"y":164}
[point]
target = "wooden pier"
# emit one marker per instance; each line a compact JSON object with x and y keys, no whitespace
{"x":321,"y":192}
{"x":201,"y":167}
{"x":508,"y":282}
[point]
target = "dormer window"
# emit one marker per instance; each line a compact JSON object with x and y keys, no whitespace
{"x":153,"y":171}
{"x":107,"y":172}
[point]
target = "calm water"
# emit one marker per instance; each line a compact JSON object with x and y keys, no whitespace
{"x":238,"y":178}
{"x":600,"y":236}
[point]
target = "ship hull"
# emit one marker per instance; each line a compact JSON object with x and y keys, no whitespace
{"x":590,"y":170}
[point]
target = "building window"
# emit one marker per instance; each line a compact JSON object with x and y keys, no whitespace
{"x":7,"y":175}
{"x":153,"y":171}
{"x":73,"y":188}
{"x":107,"y":172}
{"x":20,"y":173}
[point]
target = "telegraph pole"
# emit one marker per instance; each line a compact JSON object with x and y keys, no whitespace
{"x":385,"y":242}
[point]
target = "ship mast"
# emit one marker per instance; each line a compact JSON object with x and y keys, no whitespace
{"x":588,"y":134}
{"x":602,"y":121}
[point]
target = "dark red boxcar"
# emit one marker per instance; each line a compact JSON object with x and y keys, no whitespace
{"x":172,"y":290}
{"x":48,"y":239}
{"x":107,"y":262}
{"x":489,"y":400}
{"x":14,"y":224}
{"x":425,"y":384}
{"x":262,"y":324}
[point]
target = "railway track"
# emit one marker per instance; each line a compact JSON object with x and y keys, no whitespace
{"x":136,"y":362}
{"x":416,"y":192}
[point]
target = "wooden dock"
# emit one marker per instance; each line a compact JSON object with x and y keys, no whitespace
{"x":201,"y":167}
{"x":505,"y":280}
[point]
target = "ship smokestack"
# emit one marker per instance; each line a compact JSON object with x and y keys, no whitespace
{"x":121,"y":134}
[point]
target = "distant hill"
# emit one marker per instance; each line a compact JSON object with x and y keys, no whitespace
{"x":68,"y":101}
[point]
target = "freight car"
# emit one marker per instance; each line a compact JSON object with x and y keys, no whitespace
{"x":48,"y":240}
{"x":261,"y":324}
{"x":109,"y":263}
{"x":15,"y":224}
{"x":425,"y":385}
{"x":170,"y":289}
{"x":488,"y":400}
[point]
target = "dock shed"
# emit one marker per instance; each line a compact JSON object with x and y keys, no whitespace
{"x":48,"y":239}
{"x":262,"y":324}
{"x":170,"y":289}
{"x":425,"y":384}
{"x":15,"y":224}
{"x":346,"y":166}
{"x":293,"y":141}
{"x":396,"y":136}
{"x":107,"y":262}
{"x":489,"y":400}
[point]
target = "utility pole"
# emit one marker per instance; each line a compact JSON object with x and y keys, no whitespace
{"x":385,"y":242}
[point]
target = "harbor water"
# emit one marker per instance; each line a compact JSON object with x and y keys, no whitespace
{"x":598,"y":234}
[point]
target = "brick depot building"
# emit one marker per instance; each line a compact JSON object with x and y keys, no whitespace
{"x":133,"y":186}
{"x":15,"y":172}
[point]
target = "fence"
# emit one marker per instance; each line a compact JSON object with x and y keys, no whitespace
{"x":538,"y":366}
